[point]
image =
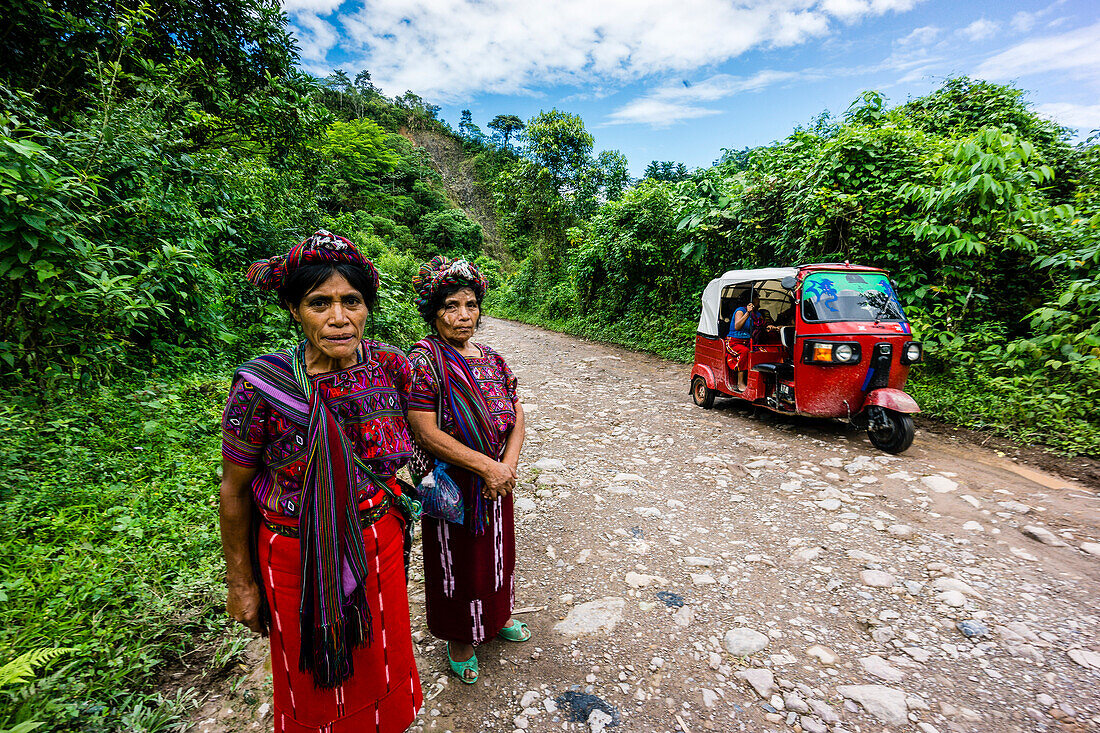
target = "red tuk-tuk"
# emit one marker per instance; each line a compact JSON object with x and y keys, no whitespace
{"x":841,"y":347}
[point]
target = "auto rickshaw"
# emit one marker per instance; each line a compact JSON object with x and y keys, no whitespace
{"x":842,"y":347}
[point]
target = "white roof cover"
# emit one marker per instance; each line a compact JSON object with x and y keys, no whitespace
{"x":712,"y":293}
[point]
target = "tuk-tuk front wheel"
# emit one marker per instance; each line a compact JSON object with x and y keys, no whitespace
{"x":889,"y":430}
{"x":701,"y":393}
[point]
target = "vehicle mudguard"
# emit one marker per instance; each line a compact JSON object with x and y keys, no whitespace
{"x":891,"y":399}
{"x":704,"y":371}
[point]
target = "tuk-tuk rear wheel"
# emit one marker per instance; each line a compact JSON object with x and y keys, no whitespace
{"x":896,"y":435}
{"x":701,"y":393}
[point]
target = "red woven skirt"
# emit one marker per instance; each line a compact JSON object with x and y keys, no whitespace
{"x":383,"y":695}
{"x":469,"y":581}
{"x":736,"y":352}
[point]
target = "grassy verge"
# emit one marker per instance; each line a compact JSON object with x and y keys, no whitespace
{"x":109,"y":548}
{"x":965,"y":396}
{"x":668,"y":338}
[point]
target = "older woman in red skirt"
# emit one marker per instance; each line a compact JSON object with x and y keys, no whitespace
{"x":464,"y":410}
{"x":312,"y":519}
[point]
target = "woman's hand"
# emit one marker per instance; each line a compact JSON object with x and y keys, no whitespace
{"x":499,"y":479}
{"x":243,"y":604}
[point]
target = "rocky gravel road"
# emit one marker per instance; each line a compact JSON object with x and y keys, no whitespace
{"x":723,"y":570}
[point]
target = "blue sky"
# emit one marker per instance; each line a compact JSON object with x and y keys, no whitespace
{"x":681,"y":80}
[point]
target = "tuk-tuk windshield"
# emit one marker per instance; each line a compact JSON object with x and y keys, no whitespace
{"x":849,"y":296}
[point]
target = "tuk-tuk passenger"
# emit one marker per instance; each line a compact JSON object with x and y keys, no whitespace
{"x":746,"y":322}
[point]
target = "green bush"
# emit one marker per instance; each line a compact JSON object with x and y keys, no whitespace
{"x":450,"y":232}
{"x":110,"y":547}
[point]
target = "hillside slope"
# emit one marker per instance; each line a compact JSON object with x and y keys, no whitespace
{"x":462,"y":187}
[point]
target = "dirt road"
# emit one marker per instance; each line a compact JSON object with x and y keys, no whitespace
{"x":748,"y":572}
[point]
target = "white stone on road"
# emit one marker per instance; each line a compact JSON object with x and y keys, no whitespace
{"x":742,"y":641}
{"x":877,"y":578}
{"x":640,"y":580}
{"x":876,"y":666}
{"x":945,"y":584}
{"x":822,"y":654}
{"x":1085,"y":658}
{"x":1042,"y":534}
{"x":939,"y":484}
{"x":885,"y":703}
{"x":588,"y":618}
{"x":760,"y":680}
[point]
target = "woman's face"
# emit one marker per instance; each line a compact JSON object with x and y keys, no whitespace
{"x":333,"y":316}
{"x":456,"y":320}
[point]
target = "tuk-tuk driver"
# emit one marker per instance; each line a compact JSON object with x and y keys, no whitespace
{"x":746,"y":322}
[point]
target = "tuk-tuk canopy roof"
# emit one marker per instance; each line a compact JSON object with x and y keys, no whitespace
{"x":712,"y":293}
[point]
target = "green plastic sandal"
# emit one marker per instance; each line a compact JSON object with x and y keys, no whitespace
{"x":515,"y":631}
{"x":460,"y":668}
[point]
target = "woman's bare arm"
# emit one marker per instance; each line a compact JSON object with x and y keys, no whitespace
{"x":740,"y":317}
{"x":498,"y":477}
{"x":514,"y":445}
{"x":242,"y":602}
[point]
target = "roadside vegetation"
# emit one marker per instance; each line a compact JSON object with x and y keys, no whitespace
{"x":985,"y":213}
{"x":148,"y":155}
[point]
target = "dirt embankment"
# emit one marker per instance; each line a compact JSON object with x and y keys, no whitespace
{"x":462,"y":186}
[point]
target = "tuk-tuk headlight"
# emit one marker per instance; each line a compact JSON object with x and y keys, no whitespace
{"x":828,"y":352}
{"x":912,"y":353}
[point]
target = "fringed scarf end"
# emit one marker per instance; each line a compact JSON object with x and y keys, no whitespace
{"x":479,"y":512}
{"x":327,"y":652}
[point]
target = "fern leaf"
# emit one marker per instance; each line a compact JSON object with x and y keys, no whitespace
{"x":21,"y":669}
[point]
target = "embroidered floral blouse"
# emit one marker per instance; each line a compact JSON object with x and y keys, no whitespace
{"x":369,"y":401}
{"x":497,"y":383}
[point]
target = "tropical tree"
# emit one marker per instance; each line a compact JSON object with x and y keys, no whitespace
{"x":57,"y":49}
{"x":468,"y":129}
{"x":506,"y":126}
{"x":558,"y":142}
{"x":665,"y":170}
{"x":614,"y":174}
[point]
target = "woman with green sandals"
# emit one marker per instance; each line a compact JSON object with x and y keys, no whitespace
{"x":464,"y":410}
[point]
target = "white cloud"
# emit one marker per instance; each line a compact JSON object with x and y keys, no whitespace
{"x":1081,"y":116}
{"x":448,"y":49}
{"x":315,"y":38}
{"x":315,"y":7}
{"x":1076,"y":53}
{"x":851,"y":10}
{"x":672,"y":103}
{"x":657,"y":113}
{"x":979,"y":30}
{"x":720,"y":86}
{"x":922,"y":36}
{"x":1023,"y":22}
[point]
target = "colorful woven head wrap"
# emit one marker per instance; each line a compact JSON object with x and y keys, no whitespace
{"x":322,"y":246}
{"x":439,"y":272}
